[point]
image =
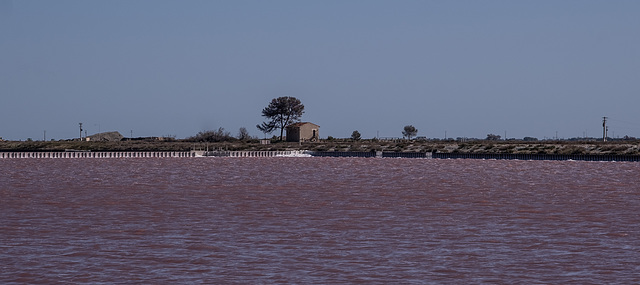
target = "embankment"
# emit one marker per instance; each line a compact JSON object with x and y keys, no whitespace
{"x":365,"y":146}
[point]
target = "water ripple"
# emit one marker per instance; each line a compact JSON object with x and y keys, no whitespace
{"x":318,"y":220}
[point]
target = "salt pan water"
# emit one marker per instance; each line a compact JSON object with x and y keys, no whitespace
{"x":318,"y":221}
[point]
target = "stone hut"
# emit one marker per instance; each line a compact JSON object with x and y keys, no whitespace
{"x":303,"y":132}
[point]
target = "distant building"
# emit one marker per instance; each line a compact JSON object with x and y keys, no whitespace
{"x":303,"y":132}
{"x":105,"y":137}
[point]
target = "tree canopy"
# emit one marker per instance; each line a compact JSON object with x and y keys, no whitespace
{"x":281,"y":112}
{"x":492,"y":137}
{"x":243,"y":134}
{"x":409,"y":131}
{"x":355,"y":135}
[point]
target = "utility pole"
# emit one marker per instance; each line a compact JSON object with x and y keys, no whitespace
{"x":604,"y":129}
{"x":45,"y":136}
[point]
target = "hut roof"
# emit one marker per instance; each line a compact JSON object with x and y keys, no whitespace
{"x":300,"y":124}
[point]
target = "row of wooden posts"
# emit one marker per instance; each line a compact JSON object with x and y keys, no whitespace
{"x":146,"y":154}
{"x":160,"y":154}
{"x":96,"y":154}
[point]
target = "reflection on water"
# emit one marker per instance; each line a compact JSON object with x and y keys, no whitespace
{"x":318,"y":220}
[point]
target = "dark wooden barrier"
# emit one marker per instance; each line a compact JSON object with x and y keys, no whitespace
{"x":369,"y":154}
{"x":342,"y":153}
{"x":406,"y":154}
{"x":581,"y":157}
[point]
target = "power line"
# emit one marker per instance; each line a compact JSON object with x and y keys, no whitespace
{"x":626,"y":125}
{"x":625,"y":122}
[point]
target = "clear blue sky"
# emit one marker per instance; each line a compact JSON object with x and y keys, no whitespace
{"x":467,"y":68}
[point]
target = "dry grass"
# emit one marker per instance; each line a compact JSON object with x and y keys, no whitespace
{"x":339,"y":145}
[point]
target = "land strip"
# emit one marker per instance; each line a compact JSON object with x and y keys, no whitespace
{"x":491,"y":147}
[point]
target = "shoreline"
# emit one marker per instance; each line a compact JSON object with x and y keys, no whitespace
{"x":398,"y":146}
{"x":305,"y":153}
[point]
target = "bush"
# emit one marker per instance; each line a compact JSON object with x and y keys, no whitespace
{"x":212,"y":136}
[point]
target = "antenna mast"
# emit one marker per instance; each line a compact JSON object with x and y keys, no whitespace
{"x":604,"y":129}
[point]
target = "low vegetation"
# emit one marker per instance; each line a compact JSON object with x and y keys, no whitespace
{"x":211,"y":141}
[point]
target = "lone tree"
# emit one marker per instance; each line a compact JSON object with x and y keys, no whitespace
{"x":243,"y":134}
{"x":281,"y":112}
{"x":409,"y":131}
{"x":355,"y":135}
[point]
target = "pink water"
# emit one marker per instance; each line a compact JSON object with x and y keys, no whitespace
{"x":318,"y":220}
